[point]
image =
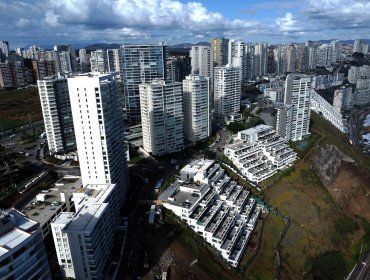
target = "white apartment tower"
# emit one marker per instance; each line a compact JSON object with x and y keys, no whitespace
{"x":140,"y":64}
{"x":162,"y":117}
{"x":22,"y":251}
{"x":98,"y":61}
{"x":236,"y":55}
{"x":297,"y":93}
{"x":98,"y":123}
{"x":84,"y":239}
{"x":227,"y":90}
{"x":57,"y":114}
{"x":201,"y":61}
{"x":197,"y":119}
{"x":65,"y":62}
{"x":113,"y":60}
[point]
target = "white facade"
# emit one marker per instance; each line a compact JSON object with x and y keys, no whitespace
{"x":65,"y":62}
{"x":22,"y":251}
{"x":298,"y":93}
{"x":343,"y":99}
{"x":197,"y":110}
{"x":259,"y":153}
{"x":215,"y":207}
{"x":324,"y":55}
{"x":227,"y":90}
{"x":355,"y":73}
{"x":236,"y":54}
{"x":201,"y":61}
{"x":162,"y":117}
{"x":57,"y":114}
{"x":328,"y":112}
{"x":84,"y":239}
{"x":99,"y":129}
{"x":362,"y":92}
{"x":114,"y":60}
{"x":99,"y":61}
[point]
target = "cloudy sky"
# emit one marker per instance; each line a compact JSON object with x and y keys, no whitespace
{"x":47,"y":22}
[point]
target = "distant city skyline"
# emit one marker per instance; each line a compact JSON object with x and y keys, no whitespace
{"x":82,"y":22}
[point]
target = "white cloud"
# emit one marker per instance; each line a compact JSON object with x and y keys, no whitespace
{"x":139,"y":14}
{"x":23,"y":23}
{"x":287,"y":23}
{"x":340,"y":14}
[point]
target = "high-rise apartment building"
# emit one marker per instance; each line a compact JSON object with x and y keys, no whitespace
{"x":297,"y":93}
{"x":84,"y":239}
{"x":335,"y":46}
{"x":43,"y":68}
{"x":312,"y":56}
{"x":201,"y":61}
{"x":220,"y":50}
{"x":343,"y":99}
{"x":12,"y":74}
{"x":324,"y":55}
{"x":162,"y":117}
{"x":65,"y":62}
{"x":284,"y":120}
{"x":57,"y":114}
{"x":359,"y":46}
{"x":4,"y":50}
{"x":302,"y":58}
{"x":291,"y":56}
{"x":98,"y":61}
{"x":72,"y":55}
{"x":22,"y":251}
{"x":84,"y":61}
{"x":99,"y":131}
{"x":249,"y":61}
{"x":280,"y":55}
{"x":178,"y":67}
{"x":140,"y":64}
{"x":227,"y":90}
{"x":113,"y":60}
{"x":197,"y":108}
{"x":236,"y":55}
{"x":260,"y":59}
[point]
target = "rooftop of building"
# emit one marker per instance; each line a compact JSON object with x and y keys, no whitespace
{"x":256,"y":129}
{"x":14,"y":229}
{"x":45,"y":204}
{"x":86,"y":218}
{"x":93,"y":193}
{"x":199,"y":165}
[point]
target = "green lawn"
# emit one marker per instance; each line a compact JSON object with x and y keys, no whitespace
{"x":17,"y":107}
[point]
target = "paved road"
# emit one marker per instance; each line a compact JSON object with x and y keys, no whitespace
{"x":361,"y":271}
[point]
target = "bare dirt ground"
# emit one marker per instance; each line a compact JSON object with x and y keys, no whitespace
{"x":351,"y":190}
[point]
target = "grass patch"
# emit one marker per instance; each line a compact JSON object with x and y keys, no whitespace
{"x":18,"y":106}
{"x":264,"y":264}
{"x":333,"y":136}
{"x":329,"y":266}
